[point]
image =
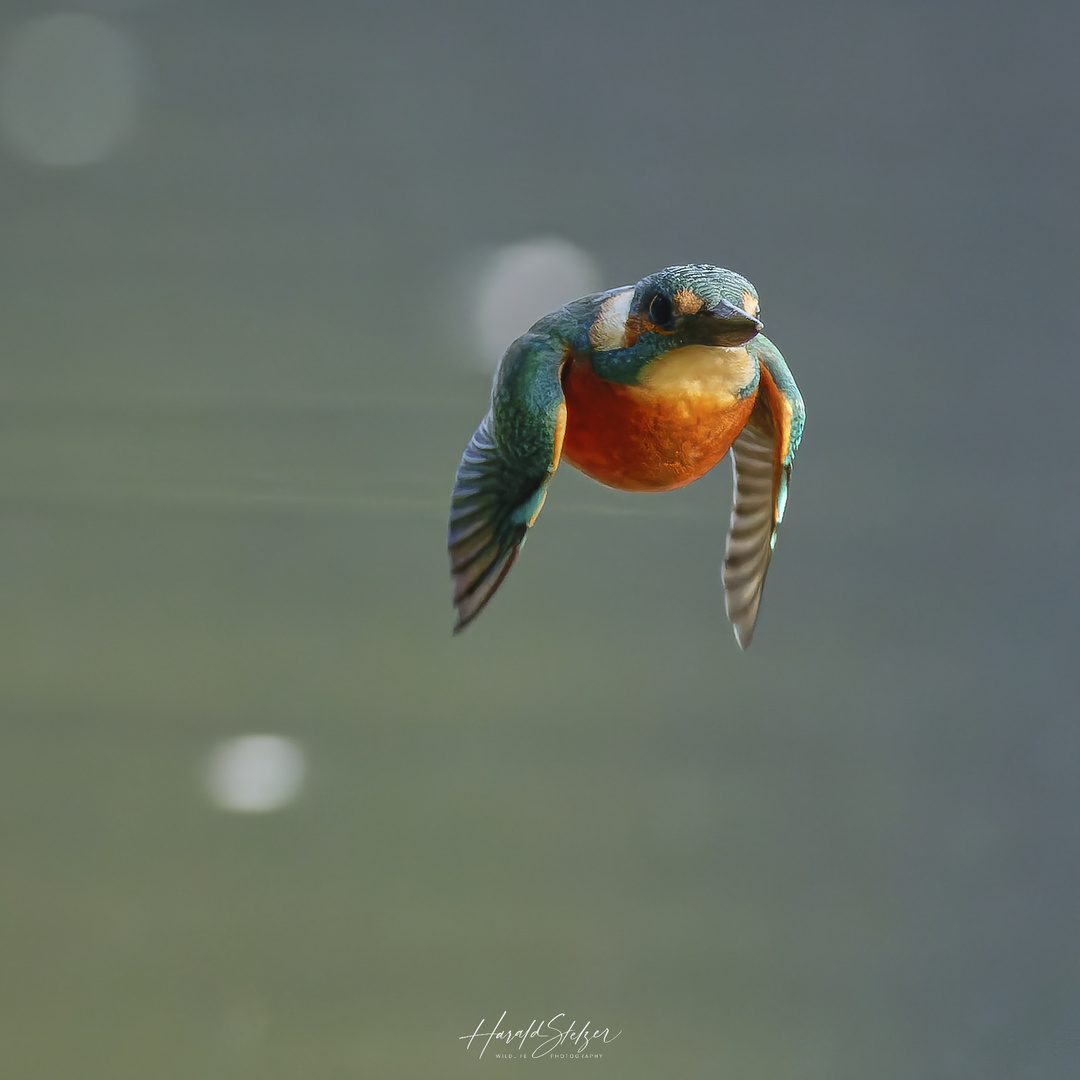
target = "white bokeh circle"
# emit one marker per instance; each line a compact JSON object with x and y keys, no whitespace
{"x":521,"y":283}
{"x":255,"y":773}
{"x":69,"y":89}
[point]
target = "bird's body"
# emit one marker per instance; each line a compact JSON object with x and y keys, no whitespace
{"x":666,"y":432}
{"x":643,"y":388}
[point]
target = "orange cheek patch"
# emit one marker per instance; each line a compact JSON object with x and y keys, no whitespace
{"x":750,"y":304}
{"x":688,"y":302}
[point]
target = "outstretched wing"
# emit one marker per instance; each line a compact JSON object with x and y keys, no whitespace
{"x":761,"y":457}
{"x":503,"y":476}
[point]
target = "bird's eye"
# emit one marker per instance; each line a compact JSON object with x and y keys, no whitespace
{"x":660,"y":310}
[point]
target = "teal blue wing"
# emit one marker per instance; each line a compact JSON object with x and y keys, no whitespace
{"x":503,"y":476}
{"x":761,"y":458}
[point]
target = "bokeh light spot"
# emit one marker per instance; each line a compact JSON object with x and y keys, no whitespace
{"x":69,"y":89}
{"x":255,"y":773}
{"x":521,"y":283}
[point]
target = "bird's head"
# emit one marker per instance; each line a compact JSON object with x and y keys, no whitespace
{"x":694,"y":305}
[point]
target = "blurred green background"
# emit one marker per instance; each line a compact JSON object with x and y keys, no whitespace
{"x":244,"y":248}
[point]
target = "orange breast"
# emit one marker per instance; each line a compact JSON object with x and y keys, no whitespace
{"x":647,"y":438}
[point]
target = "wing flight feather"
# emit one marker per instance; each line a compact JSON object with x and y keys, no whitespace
{"x":761,"y":458}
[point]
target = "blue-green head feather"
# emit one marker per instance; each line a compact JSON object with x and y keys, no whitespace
{"x":673,"y":308}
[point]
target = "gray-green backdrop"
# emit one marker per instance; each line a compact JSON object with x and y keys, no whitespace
{"x":237,"y":258}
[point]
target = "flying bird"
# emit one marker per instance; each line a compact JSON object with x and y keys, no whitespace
{"x":644,"y":388}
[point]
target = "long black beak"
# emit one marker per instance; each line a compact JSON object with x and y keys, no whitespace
{"x":732,"y":325}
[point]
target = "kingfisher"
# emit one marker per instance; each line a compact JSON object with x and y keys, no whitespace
{"x":644,"y":388}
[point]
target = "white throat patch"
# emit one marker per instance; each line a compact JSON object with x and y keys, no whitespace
{"x":609,"y":330}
